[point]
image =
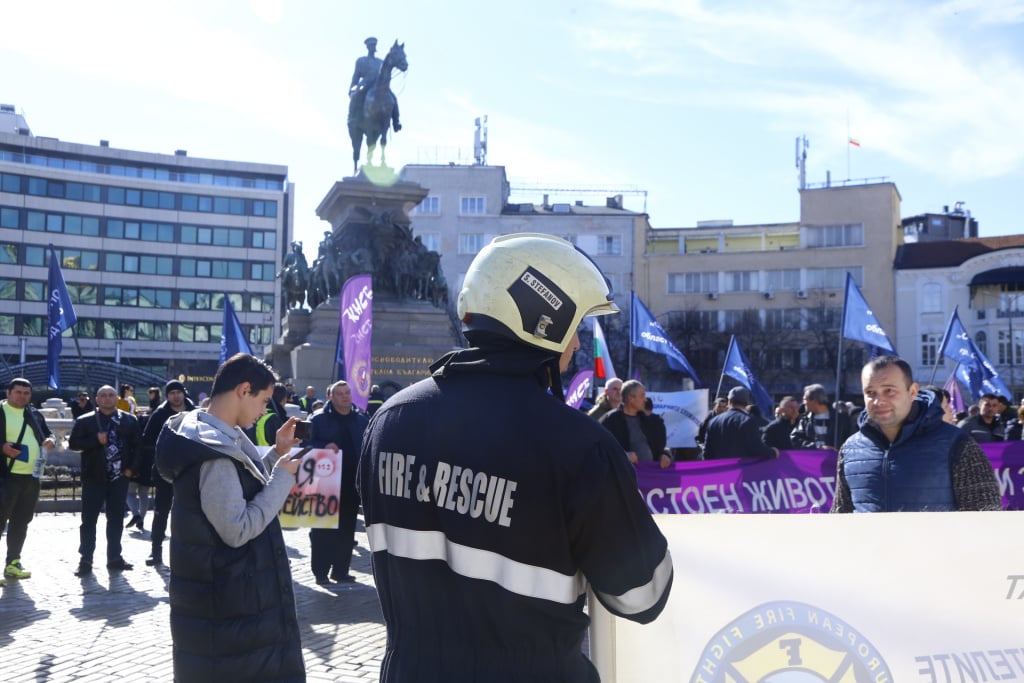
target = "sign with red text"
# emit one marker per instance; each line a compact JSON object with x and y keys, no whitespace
{"x":315,"y":499}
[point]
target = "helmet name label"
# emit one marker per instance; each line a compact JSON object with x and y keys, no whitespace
{"x":542,"y":289}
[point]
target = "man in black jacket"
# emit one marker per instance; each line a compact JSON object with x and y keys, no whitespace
{"x":25,"y":435}
{"x":177,"y":402}
{"x":776,"y":434}
{"x":110,"y":443}
{"x":735,"y":433}
{"x":820,"y":427}
{"x":490,"y":504}
{"x":633,"y":429}
{"x":338,"y":427}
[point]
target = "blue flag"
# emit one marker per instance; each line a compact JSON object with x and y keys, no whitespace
{"x":647,"y":333}
{"x":975,"y":370}
{"x":860,"y":324}
{"x":232,"y":338}
{"x":62,"y":317}
{"x":738,"y":367}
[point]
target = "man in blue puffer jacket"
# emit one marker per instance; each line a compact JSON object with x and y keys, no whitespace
{"x":905,"y":458}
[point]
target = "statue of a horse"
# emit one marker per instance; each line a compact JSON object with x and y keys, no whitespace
{"x":294,"y":283}
{"x":375,"y":118}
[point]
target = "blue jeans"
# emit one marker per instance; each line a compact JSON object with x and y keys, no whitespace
{"x":94,"y":495}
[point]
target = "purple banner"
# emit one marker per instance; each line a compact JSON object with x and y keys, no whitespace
{"x":794,"y":483}
{"x":356,"y":327}
{"x":579,"y":387}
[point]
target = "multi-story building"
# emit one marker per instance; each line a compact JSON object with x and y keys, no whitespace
{"x":468,"y":206}
{"x":983,"y":280}
{"x":778,"y":287}
{"x":149,"y":244}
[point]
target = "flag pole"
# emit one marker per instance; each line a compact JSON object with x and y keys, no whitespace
{"x":632,"y":313}
{"x":81,"y":360}
{"x":721,"y":377}
{"x":839,"y":358}
{"x":942,"y":346}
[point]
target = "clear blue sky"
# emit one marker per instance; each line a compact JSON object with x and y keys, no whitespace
{"x":698,"y":103}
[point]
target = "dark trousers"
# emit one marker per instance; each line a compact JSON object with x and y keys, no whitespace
{"x":162,"y":510}
{"x":94,"y":495}
{"x":18,"y":509}
{"x":330,"y":550}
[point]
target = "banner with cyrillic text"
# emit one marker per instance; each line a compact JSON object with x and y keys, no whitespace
{"x":682,"y":411}
{"x":795,"y":482}
{"x":315,"y":499}
{"x":929,"y":597}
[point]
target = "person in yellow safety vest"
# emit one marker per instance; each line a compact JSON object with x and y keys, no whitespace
{"x":306,"y":402}
{"x":264,"y":431}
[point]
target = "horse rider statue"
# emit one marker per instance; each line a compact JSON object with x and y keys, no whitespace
{"x":294,"y":276}
{"x":365,"y":75}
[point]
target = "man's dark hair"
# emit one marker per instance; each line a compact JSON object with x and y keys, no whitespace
{"x":18,"y":382}
{"x":280,"y":392}
{"x":241,"y":368}
{"x":988,"y":397}
{"x":939,"y":391}
{"x":883,"y":362}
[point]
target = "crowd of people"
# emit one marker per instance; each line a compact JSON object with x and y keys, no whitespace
{"x":490,"y":505}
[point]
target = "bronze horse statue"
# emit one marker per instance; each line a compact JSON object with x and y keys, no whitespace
{"x":374,"y":119}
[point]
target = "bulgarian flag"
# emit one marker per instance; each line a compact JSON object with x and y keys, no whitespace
{"x":855,"y":142}
{"x":602,"y":359}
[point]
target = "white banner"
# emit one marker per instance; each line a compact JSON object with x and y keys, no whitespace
{"x":683,"y":411}
{"x":904,"y":597}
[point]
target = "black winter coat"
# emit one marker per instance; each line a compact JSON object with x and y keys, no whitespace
{"x":232,"y":609}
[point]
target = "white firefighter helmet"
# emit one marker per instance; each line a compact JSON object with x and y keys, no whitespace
{"x":535,"y":288}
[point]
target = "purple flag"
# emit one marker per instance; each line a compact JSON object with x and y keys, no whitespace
{"x":579,"y":387}
{"x":956,"y":399}
{"x":355,"y":314}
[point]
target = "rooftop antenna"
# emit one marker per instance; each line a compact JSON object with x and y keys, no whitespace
{"x":480,"y":142}
{"x":801,"y":160}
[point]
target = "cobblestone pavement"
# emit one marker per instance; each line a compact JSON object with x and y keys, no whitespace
{"x":116,"y":626}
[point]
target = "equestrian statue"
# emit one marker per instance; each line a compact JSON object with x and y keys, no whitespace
{"x":373,"y":108}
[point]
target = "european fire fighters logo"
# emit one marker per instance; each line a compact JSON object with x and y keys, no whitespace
{"x":790,"y":642}
{"x":361,"y":374}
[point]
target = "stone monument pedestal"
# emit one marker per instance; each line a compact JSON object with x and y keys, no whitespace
{"x":408,"y":333}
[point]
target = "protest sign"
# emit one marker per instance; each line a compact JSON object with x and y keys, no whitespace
{"x":315,"y":499}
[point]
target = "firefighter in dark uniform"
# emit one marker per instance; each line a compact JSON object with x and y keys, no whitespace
{"x":490,"y":505}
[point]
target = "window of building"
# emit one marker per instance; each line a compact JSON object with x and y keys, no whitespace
{"x":701,"y":321}
{"x":472,"y":206}
{"x":8,"y":217}
{"x":471,"y":242}
{"x":931,"y":298}
{"x":832,"y":278}
{"x":8,"y":289}
{"x":930,"y":349}
{"x":34,"y":291}
{"x":7,"y":324}
{"x":571,"y":239}
{"x":823,"y":318}
{"x":263,"y":239}
{"x":820,"y":236}
{"x":81,"y":294}
{"x":782,"y":359}
{"x":981,"y":341}
{"x":782,"y":319}
{"x":431,"y":240}
{"x":430,"y":206}
{"x":261,"y":271}
{"x":10,"y":183}
{"x":261,"y":335}
{"x":8,"y":253}
{"x":742,"y":320}
{"x":609,"y":245}
{"x":818,"y":358}
{"x":1010,"y":353}
{"x":787,"y":280}
{"x":261,"y":303}
{"x":741,"y":281}
{"x":692,"y":283}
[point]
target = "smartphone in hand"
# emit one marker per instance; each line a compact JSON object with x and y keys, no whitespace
{"x":303,"y":429}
